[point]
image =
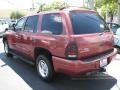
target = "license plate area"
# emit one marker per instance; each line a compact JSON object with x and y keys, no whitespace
{"x":103,"y":62}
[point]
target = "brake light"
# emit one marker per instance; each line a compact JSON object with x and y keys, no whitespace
{"x":72,"y":51}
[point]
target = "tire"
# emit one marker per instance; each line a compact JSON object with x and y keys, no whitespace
{"x":118,"y":50}
{"x":6,"y":49}
{"x":45,"y":68}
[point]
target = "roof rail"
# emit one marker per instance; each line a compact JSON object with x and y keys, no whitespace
{"x":73,"y":7}
{"x":67,"y":7}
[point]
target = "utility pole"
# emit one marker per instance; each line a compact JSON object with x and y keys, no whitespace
{"x":32,"y":9}
{"x":118,"y":12}
{"x":33,"y":5}
{"x":91,"y":4}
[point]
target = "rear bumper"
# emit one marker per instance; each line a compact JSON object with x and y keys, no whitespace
{"x":79,"y":67}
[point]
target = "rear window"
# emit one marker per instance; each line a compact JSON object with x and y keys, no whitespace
{"x":87,"y":22}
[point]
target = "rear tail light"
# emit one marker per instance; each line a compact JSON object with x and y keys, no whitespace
{"x":72,"y":51}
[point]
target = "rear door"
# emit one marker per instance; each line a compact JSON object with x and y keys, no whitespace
{"x":53,"y":33}
{"x":91,"y":33}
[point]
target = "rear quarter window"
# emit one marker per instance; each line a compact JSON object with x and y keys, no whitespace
{"x":87,"y":22}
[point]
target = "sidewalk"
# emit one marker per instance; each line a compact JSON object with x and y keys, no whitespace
{"x":9,"y":79}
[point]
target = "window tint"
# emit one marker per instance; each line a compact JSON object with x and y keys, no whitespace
{"x":52,"y":23}
{"x":31,"y":24}
{"x":20,"y":24}
{"x":85,"y":23}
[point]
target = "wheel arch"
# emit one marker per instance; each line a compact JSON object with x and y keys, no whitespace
{"x":39,"y":50}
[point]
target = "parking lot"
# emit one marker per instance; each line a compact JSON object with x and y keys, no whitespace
{"x":18,"y":75}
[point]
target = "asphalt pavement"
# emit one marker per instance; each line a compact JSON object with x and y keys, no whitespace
{"x":18,"y":75}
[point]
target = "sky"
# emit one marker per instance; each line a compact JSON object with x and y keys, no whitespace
{"x":27,"y":4}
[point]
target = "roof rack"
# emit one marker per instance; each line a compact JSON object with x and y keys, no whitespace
{"x":73,"y":7}
{"x":67,"y":7}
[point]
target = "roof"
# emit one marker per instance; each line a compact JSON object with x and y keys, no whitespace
{"x":65,"y":10}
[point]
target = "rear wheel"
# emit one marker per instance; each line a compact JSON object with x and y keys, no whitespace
{"x":6,"y":49}
{"x":45,"y":68}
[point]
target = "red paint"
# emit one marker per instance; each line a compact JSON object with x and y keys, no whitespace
{"x":87,"y":45}
{"x":76,"y":67}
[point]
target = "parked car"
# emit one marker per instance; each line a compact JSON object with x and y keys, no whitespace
{"x":117,"y":40}
{"x":71,"y":41}
{"x":3,"y":25}
{"x":11,"y":22}
{"x":113,"y":27}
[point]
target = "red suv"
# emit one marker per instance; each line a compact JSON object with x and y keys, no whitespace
{"x":69,"y":41}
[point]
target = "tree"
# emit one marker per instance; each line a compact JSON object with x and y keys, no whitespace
{"x":108,"y":7}
{"x":104,"y":12}
{"x":16,"y":15}
{"x":112,"y":10}
{"x":52,"y":6}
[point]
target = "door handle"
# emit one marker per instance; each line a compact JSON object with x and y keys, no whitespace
{"x":33,"y":40}
{"x":101,"y":34}
{"x":45,"y":40}
{"x":23,"y":35}
{"x":17,"y":36}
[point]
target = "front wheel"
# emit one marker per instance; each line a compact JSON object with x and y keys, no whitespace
{"x":45,"y":68}
{"x":118,"y":50}
{"x":6,"y":49}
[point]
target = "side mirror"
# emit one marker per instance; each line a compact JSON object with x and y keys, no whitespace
{"x":12,"y":27}
{"x":6,"y":29}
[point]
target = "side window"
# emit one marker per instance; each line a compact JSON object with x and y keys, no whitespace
{"x":31,"y":24}
{"x":20,"y":24}
{"x":52,"y":23}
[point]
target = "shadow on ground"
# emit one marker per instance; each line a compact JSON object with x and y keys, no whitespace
{"x":29,"y":75}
